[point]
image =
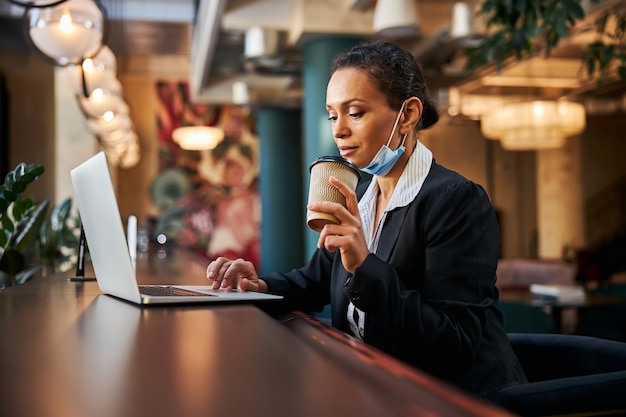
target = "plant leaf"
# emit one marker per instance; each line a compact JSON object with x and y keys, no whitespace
{"x":27,"y":233}
{"x":7,"y":225}
{"x":60,"y":215}
{"x":4,"y":202}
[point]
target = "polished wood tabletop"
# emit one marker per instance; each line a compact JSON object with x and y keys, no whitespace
{"x":68,"y":350}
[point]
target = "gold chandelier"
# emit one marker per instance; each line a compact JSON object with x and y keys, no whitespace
{"x":534,"y":125}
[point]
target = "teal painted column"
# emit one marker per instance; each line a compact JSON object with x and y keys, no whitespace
{"x":280,"y":185}
{"x":318,"y":138}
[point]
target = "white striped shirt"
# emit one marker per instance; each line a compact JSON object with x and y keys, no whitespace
{"x":409,"y":185}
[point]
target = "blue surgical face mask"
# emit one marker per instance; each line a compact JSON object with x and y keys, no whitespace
{"x":385,"y":159}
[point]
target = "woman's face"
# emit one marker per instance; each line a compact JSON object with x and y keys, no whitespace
{"x":360,"y":115}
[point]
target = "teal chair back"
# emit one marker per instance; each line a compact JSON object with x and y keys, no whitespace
{"x":521,"y":318}
{"x":568,"y":375}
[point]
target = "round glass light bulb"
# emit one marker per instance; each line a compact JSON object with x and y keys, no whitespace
{"x":118,"y":137}
{"x":100,"y":102}
{"x":109,"y":123}
{"x":131,"y":156}
{"x":123,"y":155}
{"x":68,"y":31}
{"x":99,"y":71}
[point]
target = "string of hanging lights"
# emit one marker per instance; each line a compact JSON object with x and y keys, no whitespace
{"x":72,"y":34}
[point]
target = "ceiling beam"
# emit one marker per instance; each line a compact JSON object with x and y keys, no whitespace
{"x":204,"y":40}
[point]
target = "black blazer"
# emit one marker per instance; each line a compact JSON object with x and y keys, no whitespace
{"x":429,"y":292}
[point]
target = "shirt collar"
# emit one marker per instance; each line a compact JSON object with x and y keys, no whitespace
{"x":409,"y":185}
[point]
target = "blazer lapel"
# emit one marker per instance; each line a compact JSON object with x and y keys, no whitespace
{"x":390,"y":233}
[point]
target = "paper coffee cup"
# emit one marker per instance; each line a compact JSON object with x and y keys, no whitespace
{"x":321,"y":190}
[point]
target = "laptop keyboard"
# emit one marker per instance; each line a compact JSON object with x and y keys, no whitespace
{"x":166,"y":290}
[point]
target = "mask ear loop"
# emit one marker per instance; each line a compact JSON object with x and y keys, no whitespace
{"x":396,"y":125}
{"x":403,"y":140}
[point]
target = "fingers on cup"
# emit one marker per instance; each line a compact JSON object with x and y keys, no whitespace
{"x":342,"y":173}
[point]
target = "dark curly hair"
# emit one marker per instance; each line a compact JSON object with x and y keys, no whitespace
{"x":395,"y":72}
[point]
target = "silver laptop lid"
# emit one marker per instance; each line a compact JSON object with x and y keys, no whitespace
{"x":104,"y":230}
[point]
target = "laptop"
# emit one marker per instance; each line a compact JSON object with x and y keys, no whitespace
{"x":110,"y":255}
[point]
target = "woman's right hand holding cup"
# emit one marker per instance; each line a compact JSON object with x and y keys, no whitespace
{"x":347,"y":236}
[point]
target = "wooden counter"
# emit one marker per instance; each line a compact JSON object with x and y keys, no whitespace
{"x":68,"y":350}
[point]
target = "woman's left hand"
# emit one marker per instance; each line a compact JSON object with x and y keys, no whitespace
{"x":348,"y":236}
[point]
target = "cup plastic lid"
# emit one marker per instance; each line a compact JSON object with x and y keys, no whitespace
{"x":339,"y":159}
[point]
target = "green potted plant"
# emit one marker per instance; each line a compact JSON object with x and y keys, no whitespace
{"x":519,"y":29}
{"x":20,"y":220}
{"x":58,"y":238}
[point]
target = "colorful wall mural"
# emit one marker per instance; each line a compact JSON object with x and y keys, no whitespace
{"x":208,"y":200}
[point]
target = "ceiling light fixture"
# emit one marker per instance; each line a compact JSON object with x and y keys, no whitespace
{"x":121,"y":146}
{"x":124,"y":154}
{"x":67,"y":32}
{"x":395,"y":18}
{"x":534,"y":125}
{"x":110,"y":121}
{"x":101,"y":101}
{"x":130,"y":157}
{"x":99,"y":71}
{"x":198,"y":138}
{"x":119,"y":141}
{"x":261,"y":43}
{"x":241,"y":95}
{"x":462,"y":20}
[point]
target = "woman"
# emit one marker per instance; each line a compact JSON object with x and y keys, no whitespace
{"x":411,"y":268}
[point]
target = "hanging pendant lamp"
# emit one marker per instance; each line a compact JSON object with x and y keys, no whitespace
{"x":67,"y":32}
{"x":534,"y":125}
{"x":99,"y":71}
{"x":462,"y":20}
{"x":110,"y":121}
{"x":131,"y":156}
{"x":395,"y":18}
{"x":101,"y":101}
{"x":198,"y":138}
